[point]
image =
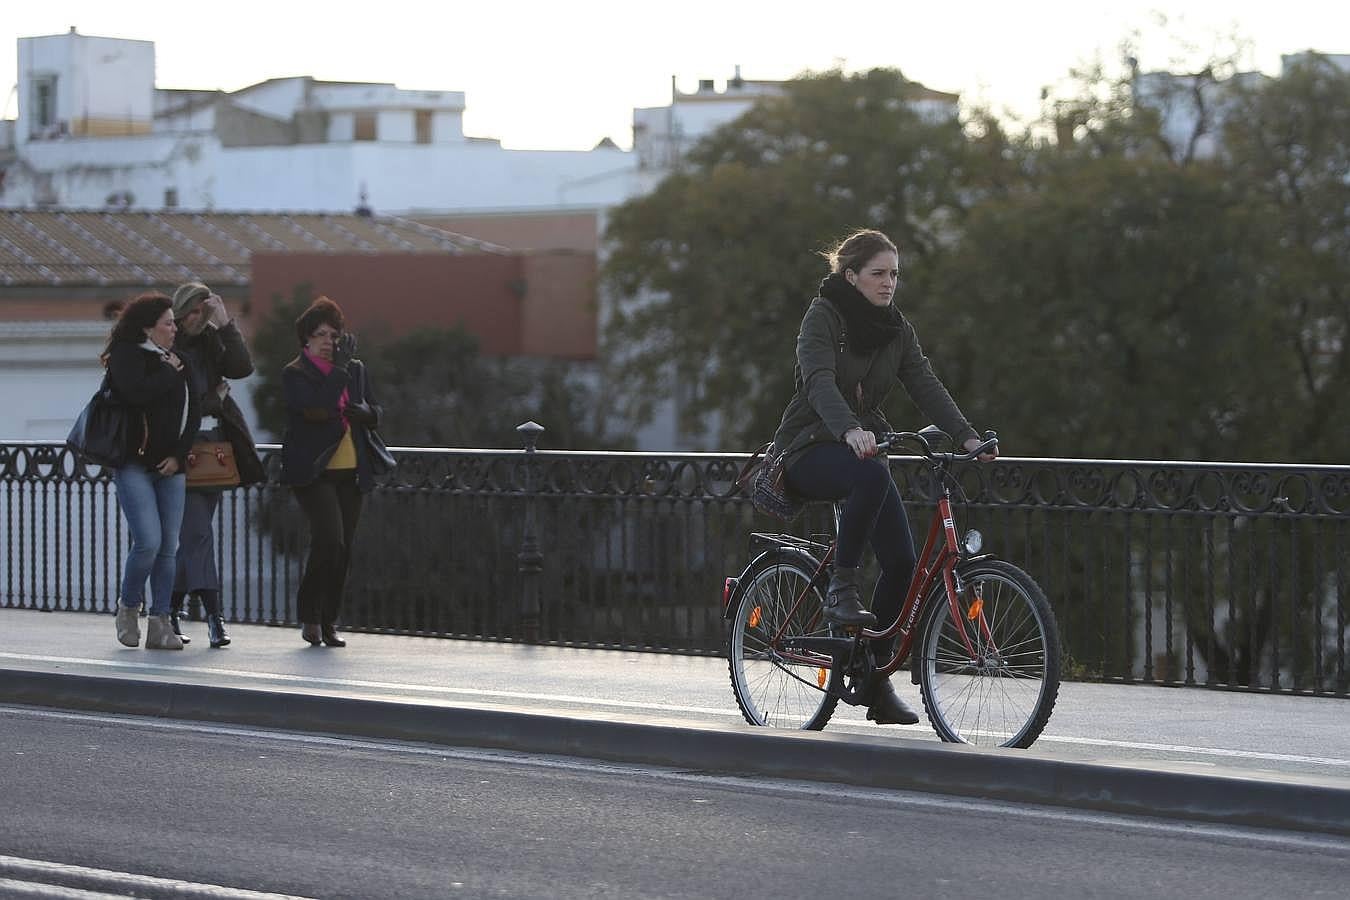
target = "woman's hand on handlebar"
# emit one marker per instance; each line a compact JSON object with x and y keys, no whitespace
{"x":862,"y":441}
{"x":973,"y":443}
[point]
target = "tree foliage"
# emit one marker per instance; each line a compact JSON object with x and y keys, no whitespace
{"x":713,"y":270}
{"x":1113,"y":292}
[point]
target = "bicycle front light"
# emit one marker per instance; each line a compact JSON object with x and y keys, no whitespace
{"x":973,"y":542}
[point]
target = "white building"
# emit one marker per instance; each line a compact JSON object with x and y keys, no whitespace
{"x":1194,"y":107}
{"x":662,"y":135}
{"x":94,"y":131}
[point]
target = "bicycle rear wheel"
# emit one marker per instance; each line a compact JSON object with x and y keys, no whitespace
{"x":1003,"y":693}
{"x":776,"y":687}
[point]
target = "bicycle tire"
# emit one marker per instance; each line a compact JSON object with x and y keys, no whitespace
{"x":773,"y":689}
{"x":996,"y":699}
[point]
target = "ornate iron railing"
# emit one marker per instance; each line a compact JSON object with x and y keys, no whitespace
{"x":1216,"y":574}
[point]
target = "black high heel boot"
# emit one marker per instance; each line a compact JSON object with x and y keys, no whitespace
{"x":175,"y":613}
{"x":215,"y":622}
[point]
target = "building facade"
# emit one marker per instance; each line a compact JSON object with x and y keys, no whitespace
{"x":95,"y":132}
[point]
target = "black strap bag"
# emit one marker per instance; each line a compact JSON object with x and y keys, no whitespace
{"x":382,"y":462}
{"x":104,"y":432}
{"x":764,"y":476}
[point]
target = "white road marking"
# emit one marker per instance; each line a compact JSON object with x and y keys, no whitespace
{"x":1203,"y":751}
{"x":79,"y":881}
{"x":28,"y":890}
{"x":757,"y":784}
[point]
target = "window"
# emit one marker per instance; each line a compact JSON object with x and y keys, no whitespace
{"x":364,"y":127}
{"x":423,"y":123}
{"x":44,"y":106}
{"x":170,"y":198}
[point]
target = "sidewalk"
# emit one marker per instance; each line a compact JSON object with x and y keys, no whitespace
{"x":1210,"y":755}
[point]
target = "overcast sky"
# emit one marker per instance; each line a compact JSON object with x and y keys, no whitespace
{"x":552,"y":74}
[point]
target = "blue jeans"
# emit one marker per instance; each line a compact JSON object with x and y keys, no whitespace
{"x":153,"y":506}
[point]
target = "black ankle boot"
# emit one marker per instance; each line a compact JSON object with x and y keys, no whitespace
{"x":842,"y":603}
{"x":330,"y":636}
{"x":175,"y":613}
{"x":215,"y":622}
{"x":215,"y":630}
{"x":886,"y":707}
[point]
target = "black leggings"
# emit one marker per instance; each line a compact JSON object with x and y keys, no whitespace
{"x":332,"y":504}
{"x":872,"y":510}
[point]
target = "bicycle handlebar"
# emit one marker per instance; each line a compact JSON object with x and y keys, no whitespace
{"x":920,"y":441}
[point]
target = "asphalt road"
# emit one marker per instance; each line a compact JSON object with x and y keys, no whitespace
{"x":316,"y":816}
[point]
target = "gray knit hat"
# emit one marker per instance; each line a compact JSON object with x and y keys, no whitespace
{"x":188,"y":296}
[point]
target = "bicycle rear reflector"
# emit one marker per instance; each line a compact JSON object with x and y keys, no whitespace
{"x":727,"y":587}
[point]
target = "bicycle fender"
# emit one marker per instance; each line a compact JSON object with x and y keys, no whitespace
{"x":780,"y":552}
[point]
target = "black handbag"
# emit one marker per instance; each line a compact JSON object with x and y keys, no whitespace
{"x":382,"y":462}
{"x":103,"y":433}
{"x":765,"y":476}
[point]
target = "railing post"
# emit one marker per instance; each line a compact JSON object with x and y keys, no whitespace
{"x":530,"y":561}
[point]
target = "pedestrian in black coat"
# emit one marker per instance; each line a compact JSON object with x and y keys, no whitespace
{"x":150,"y":381}
{"x":327,"y":458}
{"x":213,"y":350}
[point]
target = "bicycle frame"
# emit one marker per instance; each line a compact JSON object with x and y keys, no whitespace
{"x":941,"y":552}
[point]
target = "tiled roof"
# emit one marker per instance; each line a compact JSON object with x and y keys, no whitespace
{"x":67,"y":248}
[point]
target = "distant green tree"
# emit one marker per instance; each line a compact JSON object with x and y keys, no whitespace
{"x":1289,"y":142}
{"x":1111,"y":292}
{"x":713,"y":270}
{"x":440,"y":391}
{"x":1118,"y":310}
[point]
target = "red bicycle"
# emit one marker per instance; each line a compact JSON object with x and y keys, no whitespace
{"x":988,"y":652}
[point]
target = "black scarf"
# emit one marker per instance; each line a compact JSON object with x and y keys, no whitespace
{"x":870,"y":327}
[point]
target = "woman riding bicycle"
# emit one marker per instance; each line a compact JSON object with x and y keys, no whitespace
{"x":853,"y":347}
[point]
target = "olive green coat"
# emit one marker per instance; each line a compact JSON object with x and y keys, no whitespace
{"x":838,"y":389}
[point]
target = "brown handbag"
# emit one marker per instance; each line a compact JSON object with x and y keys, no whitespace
{"x":211,"y":464}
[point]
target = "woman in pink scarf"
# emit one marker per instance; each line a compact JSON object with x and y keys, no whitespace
{"x":326,"y":458}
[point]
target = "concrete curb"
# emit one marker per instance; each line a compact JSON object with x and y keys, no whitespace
{"x":1308,"y":804}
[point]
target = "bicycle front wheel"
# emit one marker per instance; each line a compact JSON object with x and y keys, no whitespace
{"x":990,"y":676}
{"x":774,"y":686}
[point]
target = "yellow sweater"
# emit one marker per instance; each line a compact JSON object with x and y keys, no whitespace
{"x":345,"y":455}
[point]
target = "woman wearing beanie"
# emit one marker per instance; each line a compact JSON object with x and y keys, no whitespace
{"x":213,"y":351}
{"x":149,"y":379}
{"x":326,"y":458}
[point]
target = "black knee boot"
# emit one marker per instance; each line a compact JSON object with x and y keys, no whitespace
{"x":215,"y":622}
{"x":843,"y":604}
{"x":176,"y":613}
